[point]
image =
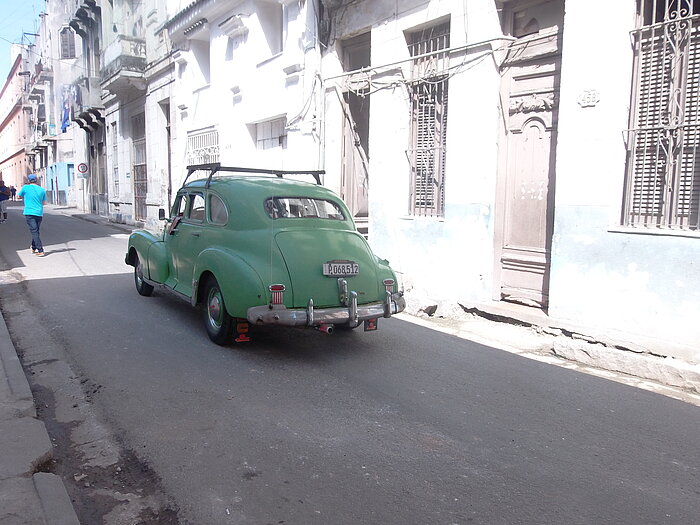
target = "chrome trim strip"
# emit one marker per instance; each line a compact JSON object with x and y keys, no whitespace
{"x":310,"y":313}
{"x":352,"y":311}
{"x":309,"y":316}
{"x":343,"y":291}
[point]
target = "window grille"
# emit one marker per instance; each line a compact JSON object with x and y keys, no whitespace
{"x":428,"y":90}
{"x":203,"y":147}
{"x":663,"y":142}
{"x":67,"y":43}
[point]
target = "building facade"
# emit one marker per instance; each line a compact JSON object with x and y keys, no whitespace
{"x":82,"y":103}
{"x":511,"y":157}
{"x":52,"y":58}
{"x":246,"y":84}
{"x":15,"y":161}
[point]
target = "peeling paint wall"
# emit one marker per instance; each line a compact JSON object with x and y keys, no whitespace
{"x":604,"y":275}
{"x":448,"y":258}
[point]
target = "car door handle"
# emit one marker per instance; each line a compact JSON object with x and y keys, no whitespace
{"x":196,"y":234}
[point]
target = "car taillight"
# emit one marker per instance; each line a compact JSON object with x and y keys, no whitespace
{"x":277,"y":290}
{"x":389,"y":285}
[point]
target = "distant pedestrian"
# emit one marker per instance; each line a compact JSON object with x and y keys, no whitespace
{"x":14,"y":192}
{"x":34,"y":197}
{"x":5,"y":194}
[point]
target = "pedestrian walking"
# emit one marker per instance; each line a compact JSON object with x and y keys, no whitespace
{"x":5,"y":194}
{"x":34,"y":197}
{"x":14,"y":192}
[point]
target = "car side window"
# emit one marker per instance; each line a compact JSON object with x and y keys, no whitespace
{"x":179,"y":206}
{"x":218,"y":214}
{"x":196,"y":208}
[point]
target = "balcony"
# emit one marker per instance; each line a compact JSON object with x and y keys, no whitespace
{"x":124,"y":65}
{"x":85,"y":16}
{"x":84,"y":99}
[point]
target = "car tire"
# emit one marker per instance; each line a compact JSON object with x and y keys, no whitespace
{"x":218,"y":322}
{"x":142,"y":287}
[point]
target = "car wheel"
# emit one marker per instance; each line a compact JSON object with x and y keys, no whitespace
{"x":218,"y":322}
{"x":142,"y":287}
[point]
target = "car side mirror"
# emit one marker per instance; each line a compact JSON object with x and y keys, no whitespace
{"x":161,"y":214}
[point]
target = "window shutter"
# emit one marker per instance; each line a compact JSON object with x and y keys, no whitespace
{"x":688,"y":204}
{"x":429,"y":120}
{"x":663,"y":175}
{"x":67,"y":43}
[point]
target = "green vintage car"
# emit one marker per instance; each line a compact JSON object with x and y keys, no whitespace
{"x":255,"y":246}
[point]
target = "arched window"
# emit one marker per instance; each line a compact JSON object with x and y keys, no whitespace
{"x":67,"y":43}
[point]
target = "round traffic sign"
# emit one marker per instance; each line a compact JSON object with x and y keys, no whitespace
{"x":82,"y":167}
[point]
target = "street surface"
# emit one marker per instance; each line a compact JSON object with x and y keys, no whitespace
{"x":401,"y":426}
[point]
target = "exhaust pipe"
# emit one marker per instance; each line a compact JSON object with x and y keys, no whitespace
{"x":325,"y":328}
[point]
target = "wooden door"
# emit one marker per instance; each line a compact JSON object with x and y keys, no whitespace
{"x":530,"y":95}
{"x":355,"y":103}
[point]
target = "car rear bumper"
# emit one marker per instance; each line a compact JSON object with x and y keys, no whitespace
{"x":351,"y":315}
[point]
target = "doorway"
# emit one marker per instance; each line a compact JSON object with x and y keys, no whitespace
{"x":530,"y":78}
{"x":355,"y":101}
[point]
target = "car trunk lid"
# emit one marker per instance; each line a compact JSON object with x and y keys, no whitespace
{"x":306,"y":251}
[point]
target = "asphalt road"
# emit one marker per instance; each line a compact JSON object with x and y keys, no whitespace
{"x":401,"y":426}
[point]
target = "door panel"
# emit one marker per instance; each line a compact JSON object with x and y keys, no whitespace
{"x":530,"y":94}
{"x":355,"y":105}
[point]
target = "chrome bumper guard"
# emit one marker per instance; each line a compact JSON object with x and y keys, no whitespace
{"x":352,"y":314}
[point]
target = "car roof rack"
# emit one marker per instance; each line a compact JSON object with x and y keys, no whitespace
{"x":214,"y":167}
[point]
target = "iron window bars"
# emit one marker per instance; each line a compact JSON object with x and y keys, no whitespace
{"x":663,"y":142}
{"x":428,"y":91}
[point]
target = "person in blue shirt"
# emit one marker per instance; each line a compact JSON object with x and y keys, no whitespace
{"x":34,"y":197}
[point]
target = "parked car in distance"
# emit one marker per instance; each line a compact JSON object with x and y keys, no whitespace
{"x":252,"y":246}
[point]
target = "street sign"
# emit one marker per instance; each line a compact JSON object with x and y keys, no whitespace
{"x":82,"y":168}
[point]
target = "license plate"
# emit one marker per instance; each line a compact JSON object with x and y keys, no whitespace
{"x":341,"y":268}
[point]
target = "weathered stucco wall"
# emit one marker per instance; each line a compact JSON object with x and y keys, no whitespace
{"x":446,"y":259}
{"x":603,"y":275}
{"x":250,"y":81}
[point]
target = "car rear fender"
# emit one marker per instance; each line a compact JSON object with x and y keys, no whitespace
{"x":151,"y":252}
{"x":240,"y":284}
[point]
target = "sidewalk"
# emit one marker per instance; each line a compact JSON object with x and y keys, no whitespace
{"x":28,"y":496}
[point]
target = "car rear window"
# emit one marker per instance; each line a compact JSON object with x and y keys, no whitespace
{"x":303,"y":207}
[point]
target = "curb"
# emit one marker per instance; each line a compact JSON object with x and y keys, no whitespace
{"x":26,"y":498}
{"x":22,"y":400}
{"x":55,"y":502}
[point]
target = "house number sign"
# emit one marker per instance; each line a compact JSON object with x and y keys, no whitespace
{"x":589,"y":98}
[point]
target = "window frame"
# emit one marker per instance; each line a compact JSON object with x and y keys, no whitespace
{"x":279,"y":207}
{"x":428,"y":91}
{"x":191,"y":198}
{"x":210,"y":207}
{"x":67,"y":43}
{"x":662,"y":174}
